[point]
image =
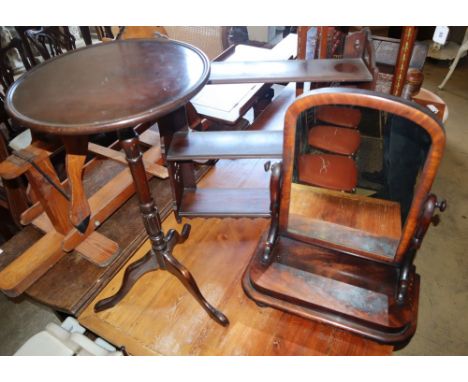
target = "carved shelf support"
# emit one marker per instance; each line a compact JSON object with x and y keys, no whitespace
{"x":275,"y":196}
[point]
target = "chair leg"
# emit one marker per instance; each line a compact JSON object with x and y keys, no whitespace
{"x":453,"y":66}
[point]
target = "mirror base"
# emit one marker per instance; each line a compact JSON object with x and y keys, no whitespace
{"x":334,"y":288}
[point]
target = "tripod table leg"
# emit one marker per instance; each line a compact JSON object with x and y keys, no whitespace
{"x":160,"y":256}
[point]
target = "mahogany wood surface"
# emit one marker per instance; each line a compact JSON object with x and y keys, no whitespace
{"x":160,"y":256}
{"x":226,"y":144}
{"x":320,"y":284}
{"x":349,"y":221}
{"x":425,"y":98}
{"x":267,"y":128}
{"x":348,"y":264}
{"x":222,"y":202}
{"x":159,"y":317}
{"x":272,"y":118}
{"x":326,"y":70}
{"x":229,"y":102}
{"x":106,"y":87}
{"x":334,"y":139}
{"x":405,"y":52}
{"x":336,"y":172}
{"x":102,"y":88}
{"x":387,"y":103}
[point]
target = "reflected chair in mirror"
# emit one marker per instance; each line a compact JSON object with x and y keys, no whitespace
{"x":334,"y":129}
{"x":347,"y":259}
{"x":334,"y":43}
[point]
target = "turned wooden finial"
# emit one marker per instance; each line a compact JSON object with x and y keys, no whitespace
{"x":414,"y":80}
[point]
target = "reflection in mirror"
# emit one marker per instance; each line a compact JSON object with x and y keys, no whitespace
{"x":355,"y":172}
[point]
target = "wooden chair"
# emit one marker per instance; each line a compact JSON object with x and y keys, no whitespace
{"x":6,"y":70}
{"x":334,"y":139}
{"x":50,"y":41}
{"x":12,"y":192}
{"x":329,"y":171}
{"x":460,"y":53}
{"x":342,"y":259}
{"x":334,"y":128}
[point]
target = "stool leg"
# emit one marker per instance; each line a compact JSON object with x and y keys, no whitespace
{"x":160,"y":256}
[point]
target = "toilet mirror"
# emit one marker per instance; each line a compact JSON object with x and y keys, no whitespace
{"x":356,"y":170}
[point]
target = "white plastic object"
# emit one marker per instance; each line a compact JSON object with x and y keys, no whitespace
{"x":67,"y":339}
{"x":72,"y":325}
{"x":433,"y":108}
{"x":54,"y":340}
{"x":440,"y":35}
{"x":21,"y":141}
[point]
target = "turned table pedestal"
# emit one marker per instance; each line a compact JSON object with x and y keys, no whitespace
{"x":113,"y":87}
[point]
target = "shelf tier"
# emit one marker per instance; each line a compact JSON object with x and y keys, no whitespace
{"x":324,"y":70}
{"x":223,"y":202}
{"x":226,"y":145}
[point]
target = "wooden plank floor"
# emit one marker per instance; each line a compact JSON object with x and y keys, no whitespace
{"x":160,"y":317}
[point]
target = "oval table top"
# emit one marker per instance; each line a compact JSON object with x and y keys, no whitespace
{"x":108,"y":86}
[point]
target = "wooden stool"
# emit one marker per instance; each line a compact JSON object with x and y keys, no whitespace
{"x":330,"y":171}
{"x":334,"y":139}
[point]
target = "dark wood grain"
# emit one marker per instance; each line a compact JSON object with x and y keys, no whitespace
{"x":387,"y":103}
{"x":405,"y":51}
{"x":267,"y":129}
{"x":344,"y":259}
{"x":353,"y":223}
{"x":351,"y":293}
{"x":226,"y":144}
{"x":272,"y":118}
{"x":226,"y":202}
{"x":109,"y":86}
{"x":326,"y":70}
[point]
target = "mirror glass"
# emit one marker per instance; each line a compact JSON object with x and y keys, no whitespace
{"x":355,"y":172}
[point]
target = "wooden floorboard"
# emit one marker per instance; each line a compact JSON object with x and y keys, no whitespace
{"x":160,"y":317}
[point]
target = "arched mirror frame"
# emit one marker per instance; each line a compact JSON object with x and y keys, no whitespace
{"x":378,"y":101}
